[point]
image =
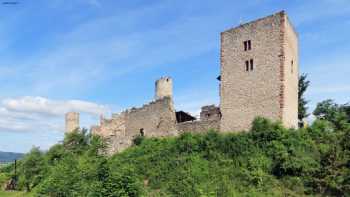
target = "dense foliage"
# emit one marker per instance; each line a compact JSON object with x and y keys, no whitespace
{"x":269,"y":160}
{"x":336,"y":114}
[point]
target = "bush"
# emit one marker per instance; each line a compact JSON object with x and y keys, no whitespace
{"x":33,"y":169}
{"x":138,"y":140}
{"x":267,"y":161}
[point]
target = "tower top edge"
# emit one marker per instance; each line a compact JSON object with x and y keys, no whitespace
{"x":281,"y":13}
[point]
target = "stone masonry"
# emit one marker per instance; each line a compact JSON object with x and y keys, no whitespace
{"x":210,"y":112}
{"x":72,"y":121}
{"x":164,"y":88}
{"x":155,"y":119}
{"x":259,"y":77}
{"x":259,"y":73}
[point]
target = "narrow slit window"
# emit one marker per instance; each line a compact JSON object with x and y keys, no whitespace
{"x":247,"y":45}
{"x":251,"y":64}
{"x":292,"y":66}
{"x":246,"y":65}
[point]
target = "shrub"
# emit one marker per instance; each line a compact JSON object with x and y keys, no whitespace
{"x":267,"y":161}
{"x":138,"y":140}
{"x":188,"y":143}
{"x":33,"y":169}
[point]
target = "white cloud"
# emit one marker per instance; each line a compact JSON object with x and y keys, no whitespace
{"x":33,"y":114}
{"x":46,"y":106}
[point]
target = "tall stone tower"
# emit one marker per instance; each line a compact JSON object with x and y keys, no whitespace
{"x":259,"y":73}
{"x":72,"y":121}
{"x":164,"y":88}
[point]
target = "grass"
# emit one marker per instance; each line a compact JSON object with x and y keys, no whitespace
{"x":15,"y":194}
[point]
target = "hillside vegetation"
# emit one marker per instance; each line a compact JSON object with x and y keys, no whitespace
{"x":269,"y":160}
{"x":9,"y":156}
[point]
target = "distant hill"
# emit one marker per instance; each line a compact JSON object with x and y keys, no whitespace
{"x":9,"y":156}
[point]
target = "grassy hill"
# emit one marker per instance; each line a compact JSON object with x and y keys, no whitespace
{"x":269,"y":160}
{"x":9,"y":156}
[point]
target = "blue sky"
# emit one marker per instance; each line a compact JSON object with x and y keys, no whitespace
{"x":101,"y":56}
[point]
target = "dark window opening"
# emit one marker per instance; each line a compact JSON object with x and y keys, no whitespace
{"x":142,"y":133}
{"x":247,"y":45}
{"x":292,"y":66}
{"x":251,"y":64}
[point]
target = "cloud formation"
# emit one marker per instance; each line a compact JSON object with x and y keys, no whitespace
{"x":46,"y":106}
{"x":28,"y":114}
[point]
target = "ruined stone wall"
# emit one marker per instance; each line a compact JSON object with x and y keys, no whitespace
{"x":114,"y":126}
{"x":114,"y":131}
{"x":156,"y":119}
{"x":198,"y":126}
{"x":210,"y":112}
{"x":290,"y":75}
{"x":72,"y":121}
{"x":248,"y":94}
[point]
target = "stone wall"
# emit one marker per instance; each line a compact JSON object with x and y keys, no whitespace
{"x":198,"y":126}
{"x":115,"y":126}
{"x":155,"y":119}
{"x":164,"y":88}
{"x":210,"y":112}
{"x":260,"y":91}
{"x":290,"y":75}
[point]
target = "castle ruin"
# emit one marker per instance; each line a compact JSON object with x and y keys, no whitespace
{"x":259,"y":73}
{"x":259,"y":77}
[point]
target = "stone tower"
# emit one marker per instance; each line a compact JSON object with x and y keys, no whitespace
{"x":164,"y":88}
{"x":72,"y":121}
{"x":259,"y":73}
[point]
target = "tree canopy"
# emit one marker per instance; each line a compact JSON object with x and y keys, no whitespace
{"x":269,"y":160}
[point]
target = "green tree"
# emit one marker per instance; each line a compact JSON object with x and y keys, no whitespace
{"x":55,"y":154}
{"x":32,"y":169}
{"x":346,"y":109}
{"x":302,"y":109}
{"x":76,"y":141}
{"x":332,"y":112}
{"x":64,"y":179}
